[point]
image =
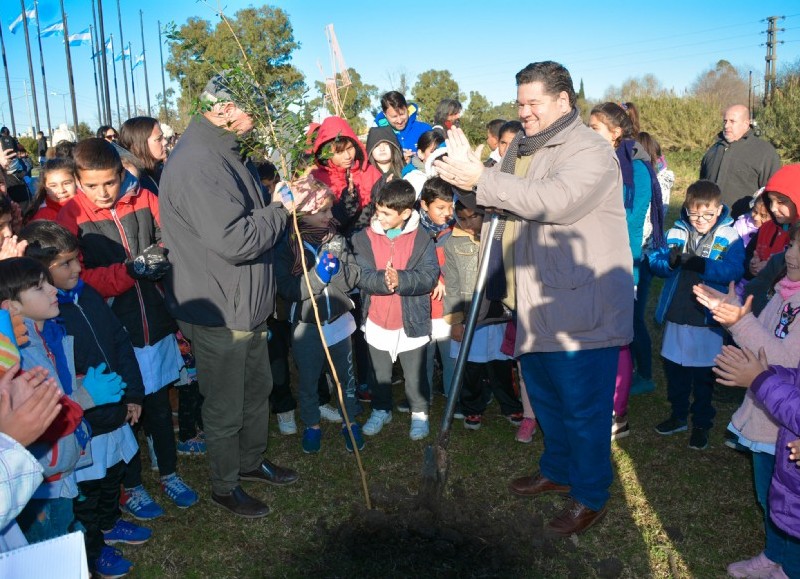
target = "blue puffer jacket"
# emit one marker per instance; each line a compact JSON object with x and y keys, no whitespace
{"x":411,"y":133}
{"x":724,"y":264}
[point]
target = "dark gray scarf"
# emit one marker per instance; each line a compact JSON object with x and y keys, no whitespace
{"x":521,"y":146}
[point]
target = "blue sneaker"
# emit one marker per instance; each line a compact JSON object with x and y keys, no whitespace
{"x":419,"y":428}
{"x":180,"y":493}
{"x":312,"y":440}
{"x":138,"y":503}
{"x":377,"y":420}
{"x":125,"y":532}
{"x":641,"y":386}
{"x":348,"y":444}
{"x":111,"y":565}
{"x":193,"y":446}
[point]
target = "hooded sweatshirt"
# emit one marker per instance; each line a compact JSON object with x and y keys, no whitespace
{"x":773,"y":236}
{"x":378,"y":135}
{"x":364,"y":175}
{"x":411,"y":133}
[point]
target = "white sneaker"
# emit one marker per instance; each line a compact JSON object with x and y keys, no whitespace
{"x":376,"y":422}
{"x":286,"y":423}
{"x":329,"y":413}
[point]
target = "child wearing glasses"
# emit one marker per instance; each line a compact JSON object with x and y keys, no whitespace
{"x":702,"y":247}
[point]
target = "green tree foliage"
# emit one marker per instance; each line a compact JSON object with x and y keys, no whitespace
{"x":84,"y":131}
{"x":171,"y":116}
{"x":356,"y":99}
{"x":680,"y":123}
{"x":265,"y":34}
{"x":634,"y":88}
{"x":722,"y":85}
{"x":780,"y":120}
{"x":431,"y":87}
{"x":475,"y":117}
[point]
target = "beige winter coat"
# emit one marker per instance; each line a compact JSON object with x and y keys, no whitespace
{"x":574,"y":281}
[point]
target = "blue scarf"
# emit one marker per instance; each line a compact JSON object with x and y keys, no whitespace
{"x":430,"y":226}
{"x":53,"y":334}
{"x":625,"y":155}
{"x":70,"y":296}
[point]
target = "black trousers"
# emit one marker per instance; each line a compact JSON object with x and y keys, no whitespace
{"x":156,"y":420}
{"x":497,"y":376}
{"x":97,"y":509}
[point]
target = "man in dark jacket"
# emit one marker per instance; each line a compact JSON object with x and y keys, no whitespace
{"x":220,"y":233}
{"x":739,"y":162}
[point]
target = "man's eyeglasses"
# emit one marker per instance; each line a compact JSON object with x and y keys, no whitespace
{"x":111,"y":136}
{"x":704,"y":216}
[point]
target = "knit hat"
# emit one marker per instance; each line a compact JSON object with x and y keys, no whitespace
{"x":310,"y":195}
{"x":786,"y":181}
{"x":378,"y":135}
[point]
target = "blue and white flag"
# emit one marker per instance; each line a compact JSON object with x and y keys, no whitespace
{"x":80,"y":38}
{"x":110,"y":45}
{"x":55,"y":29}
{"x":125,"y":55}
{"x":30,"y":13}
{"x":139,"y":60}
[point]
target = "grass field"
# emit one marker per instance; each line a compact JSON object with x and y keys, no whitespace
{"x":674,"y":512}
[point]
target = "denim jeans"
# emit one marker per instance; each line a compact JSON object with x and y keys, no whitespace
{"x":311,"y":362}
{"x":44,"y":519}
{"x":573,"y":396}
{"x":780,"y":547}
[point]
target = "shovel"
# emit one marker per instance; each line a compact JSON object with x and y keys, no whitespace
{"x":435,"y":463}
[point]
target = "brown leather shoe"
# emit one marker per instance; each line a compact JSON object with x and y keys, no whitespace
{"x":531,"y":486}
{"x":241,"y":504}
{"x":575,"y":518}
{"x":270,"y":473}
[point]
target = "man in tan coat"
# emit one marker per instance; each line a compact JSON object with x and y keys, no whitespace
{"x":573,"y":280}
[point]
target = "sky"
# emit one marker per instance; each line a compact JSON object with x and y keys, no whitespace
{"x":482,"y":44}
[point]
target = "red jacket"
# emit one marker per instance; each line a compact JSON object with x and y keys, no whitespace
{"x":48,"y":211}
{"x":107,"y":238}
{"x":364,"y":175}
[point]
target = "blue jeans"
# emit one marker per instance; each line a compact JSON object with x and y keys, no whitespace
{"x":780,"y":547}
{"x":44,"y":519}
{"x":642,"y":345}
{"x":448,"y":363}
{"x":572,"y":394}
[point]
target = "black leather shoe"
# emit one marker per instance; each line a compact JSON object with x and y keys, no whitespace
{"x":241,"y":504}
{"x":270,"y":473}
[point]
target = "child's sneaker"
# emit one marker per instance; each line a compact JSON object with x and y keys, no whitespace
{"x":672,"y":426}
{"x":699,"y":439}
{"x":194,"y":445}
{"x":641,"y":386}
{"x":473,"y":422}
{"x":286,"y":423}
{"x":377,"y":420}
{"x":526,"y":430}
{"x":758,"y":566}
{"x":329,"y":413}
{"x":363,"y":394}
{"x":125,"y":532}
{"x":138,"y":503}
{"x":403,"y":406}
{"x":419,"y":428}
{"x":514,"y":418}
{"x":312,"y":440}
{"x":620,"y":427}
{"x":180,"y":493}
{"x":348,"y":444}
{"x":111,"y":565}
{"x":151,"y":451}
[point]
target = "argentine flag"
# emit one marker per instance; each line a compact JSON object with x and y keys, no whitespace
{"x":30,"y":13}
{"x":80,"y":38}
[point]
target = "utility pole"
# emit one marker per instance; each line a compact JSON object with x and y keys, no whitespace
{"x":771,"y":57}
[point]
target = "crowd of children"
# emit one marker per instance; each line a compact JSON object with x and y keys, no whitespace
{"x":385,"y":262}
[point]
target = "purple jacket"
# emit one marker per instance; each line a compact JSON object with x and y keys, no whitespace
{"x":778,"y":389}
